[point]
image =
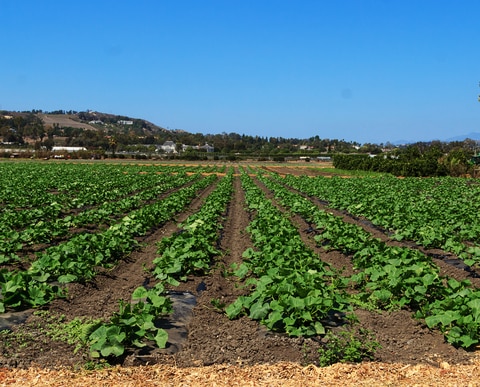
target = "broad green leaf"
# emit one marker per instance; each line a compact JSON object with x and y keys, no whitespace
{"x":273,"y":318}
{"x":139,"y":293}
{"x":67,"y":278}
{"x":259,"y":310}
{"x":242,"y":270}
{"x":41,"y":277}
{"x":319,"y":328}
{"x":161,"y":338}
{"x":383,"y":295}
{"x":475,"y":308}
{"x":235,"y":309}
{"x":445,"y":318}
{"x":295,"y":302}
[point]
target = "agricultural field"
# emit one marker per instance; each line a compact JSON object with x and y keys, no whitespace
{"x":202,"y":265}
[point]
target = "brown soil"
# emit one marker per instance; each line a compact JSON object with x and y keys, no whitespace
{"x":213,"y":340}
{"x":64,"y":120}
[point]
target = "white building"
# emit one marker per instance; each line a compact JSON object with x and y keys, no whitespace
{"x":168,"y":147}
{"x":68,"y":148}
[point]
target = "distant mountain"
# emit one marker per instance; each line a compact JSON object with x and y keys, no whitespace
{"x":402,"y":142}
{"x":471,"y":136}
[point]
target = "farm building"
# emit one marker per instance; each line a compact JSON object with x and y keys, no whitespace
{"x":68,"y":149}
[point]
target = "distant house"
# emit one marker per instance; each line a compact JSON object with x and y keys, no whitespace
{"x":207,"y":148}
{"x":168,"y":147}
{"x":123,"y":122}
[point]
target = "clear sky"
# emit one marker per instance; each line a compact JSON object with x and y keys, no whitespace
{"x":358,"y":70}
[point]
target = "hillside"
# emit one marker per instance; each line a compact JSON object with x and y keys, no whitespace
{"x":65,"y":120}
{"x":92,"y":120}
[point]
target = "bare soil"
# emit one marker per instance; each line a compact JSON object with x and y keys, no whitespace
{"x":65,"y":120}
{"x":212,"y":338}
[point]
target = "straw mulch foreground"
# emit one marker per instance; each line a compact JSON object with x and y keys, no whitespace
{"x":283,"y":374}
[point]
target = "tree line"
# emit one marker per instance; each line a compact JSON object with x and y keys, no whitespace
{"x":418,"y":159}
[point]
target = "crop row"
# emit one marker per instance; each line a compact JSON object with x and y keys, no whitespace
{"x":44,"y":231}
{"x":293,"y":290}
{"x":191,"y":250}
{"x":34,"y":192}
{"x":80,"y":256}
{"x":188,"y":252}
{"x":434,"y":212}
{"x":391,"y":276}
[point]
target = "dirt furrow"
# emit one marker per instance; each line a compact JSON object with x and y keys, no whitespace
{"x":213,"y":338}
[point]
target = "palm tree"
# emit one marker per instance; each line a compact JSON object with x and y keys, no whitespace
{"x":112,"y":143}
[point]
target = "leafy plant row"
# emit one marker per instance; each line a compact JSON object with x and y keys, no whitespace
{"x":45,"y":192}
{"x":293,"y":291}
{"x":434,"y":212}
{"x":191,"y":250}
{"x":44,"y":231}
{"x":393,"y":277}
{"x":78,"y":258}
{"x":133,"y":325}
{"x":33,"y":192}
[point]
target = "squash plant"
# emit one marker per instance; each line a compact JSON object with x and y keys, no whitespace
{"x":134,"y":324}
{"x":191,"y":250}
{"x":395,"y":277}
{"x":293,"y":290}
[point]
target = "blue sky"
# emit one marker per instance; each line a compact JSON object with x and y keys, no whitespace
{"x":358,"y":70}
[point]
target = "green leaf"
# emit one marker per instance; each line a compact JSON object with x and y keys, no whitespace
{"x":159,"y":301}
{"x":41,"y":277}
{"x":139,"y":293}
{"x":306,"y":316}
{"x":37,"y":296}
{"x":445,"y":318}
{"x":466,"y":341}
{"x":475,"y":308}
{"x":67,"y":278}
{"x":383,"y":295}
{"x":242,"y":270}
{"x":11,"y":287}
{"x":259,"y":310}
{"x":295,"y":302}
{"x":319,"y":328}
{"x":161,"y":338}
{"x":107,"y":340}
{"x":235,"y":309}
{"x":273,"y":318}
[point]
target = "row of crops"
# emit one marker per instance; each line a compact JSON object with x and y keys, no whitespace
{"x":120,"y":202}
{"x":391,"y":277}
{"x":62,"y":223}
{"x":434,"y":212}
